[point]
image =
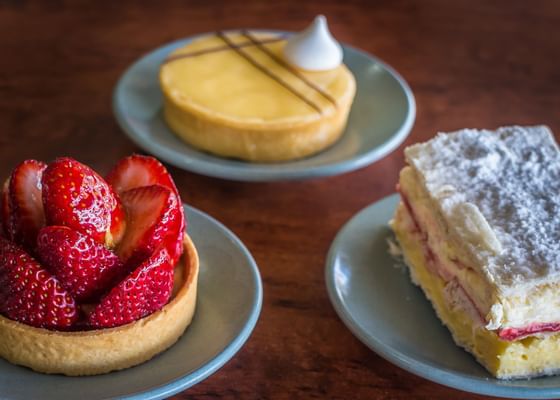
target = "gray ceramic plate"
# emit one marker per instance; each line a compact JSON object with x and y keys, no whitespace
{"x":228,"y":305}
{"x":374,"y":297}
{"x":381,"y":117}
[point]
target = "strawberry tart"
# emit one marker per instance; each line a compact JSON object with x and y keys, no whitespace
{"x":96,"y":274}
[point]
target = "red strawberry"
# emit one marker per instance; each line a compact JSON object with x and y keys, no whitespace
{"x":145,"y":290}
{"x":30,"y":294}
{"x":26,"y":206}
{"x":82,"y":265}
{"x":152,"y":219}
{"x":76,"y":196}
{"x":137,"y":171}
{"x":5,"y":212}
{"x":174,"y":243}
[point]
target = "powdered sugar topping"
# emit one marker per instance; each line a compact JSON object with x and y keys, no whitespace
{"x":500,"y":193}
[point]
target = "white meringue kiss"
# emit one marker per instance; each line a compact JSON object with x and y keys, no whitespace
{"x":314,"y":49}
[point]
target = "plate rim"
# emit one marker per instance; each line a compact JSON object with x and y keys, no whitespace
{"x":431,"y":372}
{"x":266,"y":172}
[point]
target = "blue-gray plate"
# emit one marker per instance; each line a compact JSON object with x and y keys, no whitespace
{"x":376,"y":300}
{"x":228,"y":305}
{"x":381,"y":117}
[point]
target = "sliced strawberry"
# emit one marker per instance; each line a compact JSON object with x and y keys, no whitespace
{"x":82,"y":265}
{"x":152,"y":219}
{"x":26,"y":205}
{"x":137,"y":171}
{"x":76,"y":196}
{"x":5,"y":212}
{"x":30,"y":294}
{"x":175,"y":245}
{"x":145,"y":290}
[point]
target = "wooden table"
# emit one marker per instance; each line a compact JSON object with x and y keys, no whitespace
{"x":469,"y":63}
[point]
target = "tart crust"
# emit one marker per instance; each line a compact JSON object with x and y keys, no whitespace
{"x":218,"y":102}
{"x":105,"y":350}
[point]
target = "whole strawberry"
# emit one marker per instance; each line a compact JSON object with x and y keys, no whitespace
{"x":83,"y":266}
{"x":25,"y":203}
{"x":145,"y":290}
{"x":76,"y":196}
{"x":30,"y":294}
{"x":152,"y":220}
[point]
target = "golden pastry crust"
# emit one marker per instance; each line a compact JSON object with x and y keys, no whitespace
{"x":220,"y":103}
{"x":105,"y":350}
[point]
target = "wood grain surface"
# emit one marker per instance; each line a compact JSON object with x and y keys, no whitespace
{"x":470,"y":64}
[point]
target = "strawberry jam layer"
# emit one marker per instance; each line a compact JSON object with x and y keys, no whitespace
{"x":429,"y":254}
{"x":511,"y":334}
{"x":435,"y":263}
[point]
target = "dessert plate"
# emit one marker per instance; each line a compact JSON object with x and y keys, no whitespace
{"x":228,"y":305}
{"x":373,"y":295}
{"x":381,"y":117}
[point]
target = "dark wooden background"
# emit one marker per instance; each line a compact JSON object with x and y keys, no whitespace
{"x":469,"y":63}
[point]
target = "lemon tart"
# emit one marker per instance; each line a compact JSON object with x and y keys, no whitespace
{"x":234,"y":94}
{"x":100,"y":351}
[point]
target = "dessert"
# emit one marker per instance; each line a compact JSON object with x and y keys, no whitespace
{"x":95,"y":275}
{"x":479,"y":226}
{"x":236,"y":94}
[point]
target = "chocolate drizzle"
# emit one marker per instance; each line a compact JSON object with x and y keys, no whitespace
{"x":288,"y":67}
{"x":216,"y":49}
{"x":267,"y":72}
